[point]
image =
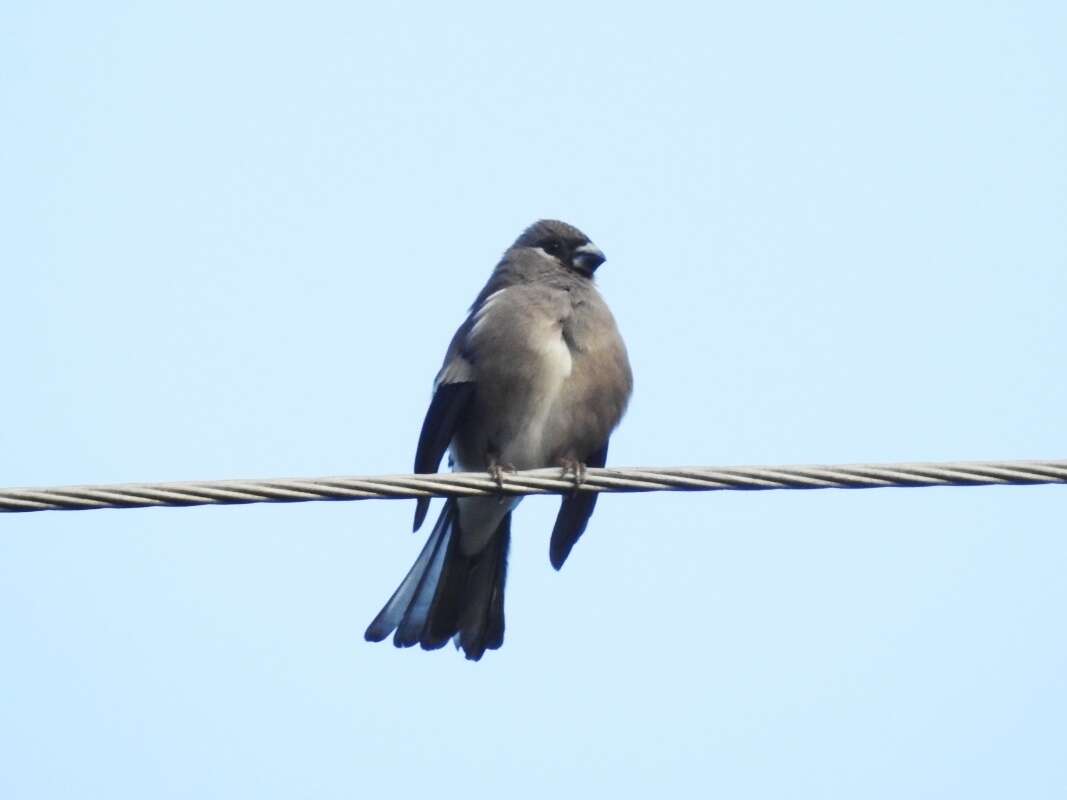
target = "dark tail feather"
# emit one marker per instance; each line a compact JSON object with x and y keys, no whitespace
{"x":481,"y":623}
{"x":447,"y":594}
{"x":391,"y":615}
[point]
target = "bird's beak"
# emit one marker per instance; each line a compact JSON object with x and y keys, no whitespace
{"x":588,"y":257}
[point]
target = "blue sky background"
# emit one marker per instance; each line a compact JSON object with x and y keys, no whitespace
{"x":237,"y":239}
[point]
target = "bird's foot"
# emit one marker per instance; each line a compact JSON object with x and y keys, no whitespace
{"x":496,"y":472}
{"x":572,"y":466}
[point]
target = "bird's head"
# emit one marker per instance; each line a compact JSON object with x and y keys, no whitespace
{"x":564,"y":243}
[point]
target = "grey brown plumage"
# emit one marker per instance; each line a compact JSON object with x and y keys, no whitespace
{"x":537,"y":375}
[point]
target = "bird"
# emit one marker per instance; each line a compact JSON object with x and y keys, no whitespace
{"x":537,"y":375}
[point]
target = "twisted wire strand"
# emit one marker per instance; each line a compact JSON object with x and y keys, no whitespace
{"x":538,"y":481}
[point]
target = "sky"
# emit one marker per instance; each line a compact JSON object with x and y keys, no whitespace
{"x":236,"y":241}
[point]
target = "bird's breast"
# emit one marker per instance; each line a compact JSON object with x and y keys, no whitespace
{"x":548,"y":386}
{"x":552,"y":367}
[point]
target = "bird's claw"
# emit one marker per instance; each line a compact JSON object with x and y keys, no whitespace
{"x":496,"y":472}
{"x":572,"y":466}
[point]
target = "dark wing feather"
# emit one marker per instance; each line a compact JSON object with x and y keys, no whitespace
{"x":442,"y":419}
{"x":574,"y":513}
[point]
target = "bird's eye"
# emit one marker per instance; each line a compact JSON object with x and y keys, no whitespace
{"x":552,"y":248}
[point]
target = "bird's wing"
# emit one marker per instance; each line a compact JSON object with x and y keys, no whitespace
{"x":453,"y":390}
{"x":574,"y":513}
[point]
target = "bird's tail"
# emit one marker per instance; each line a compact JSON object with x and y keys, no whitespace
{"x":448,"y":594}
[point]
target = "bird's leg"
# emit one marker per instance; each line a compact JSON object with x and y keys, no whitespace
{"x":572,"y":466}
{"x":496,"y":471}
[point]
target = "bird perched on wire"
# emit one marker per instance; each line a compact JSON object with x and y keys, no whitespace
{"x":536,"y":376}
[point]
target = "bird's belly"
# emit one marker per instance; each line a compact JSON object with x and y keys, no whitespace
{"x":514,"y":408}
{"x":544,"y":397}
